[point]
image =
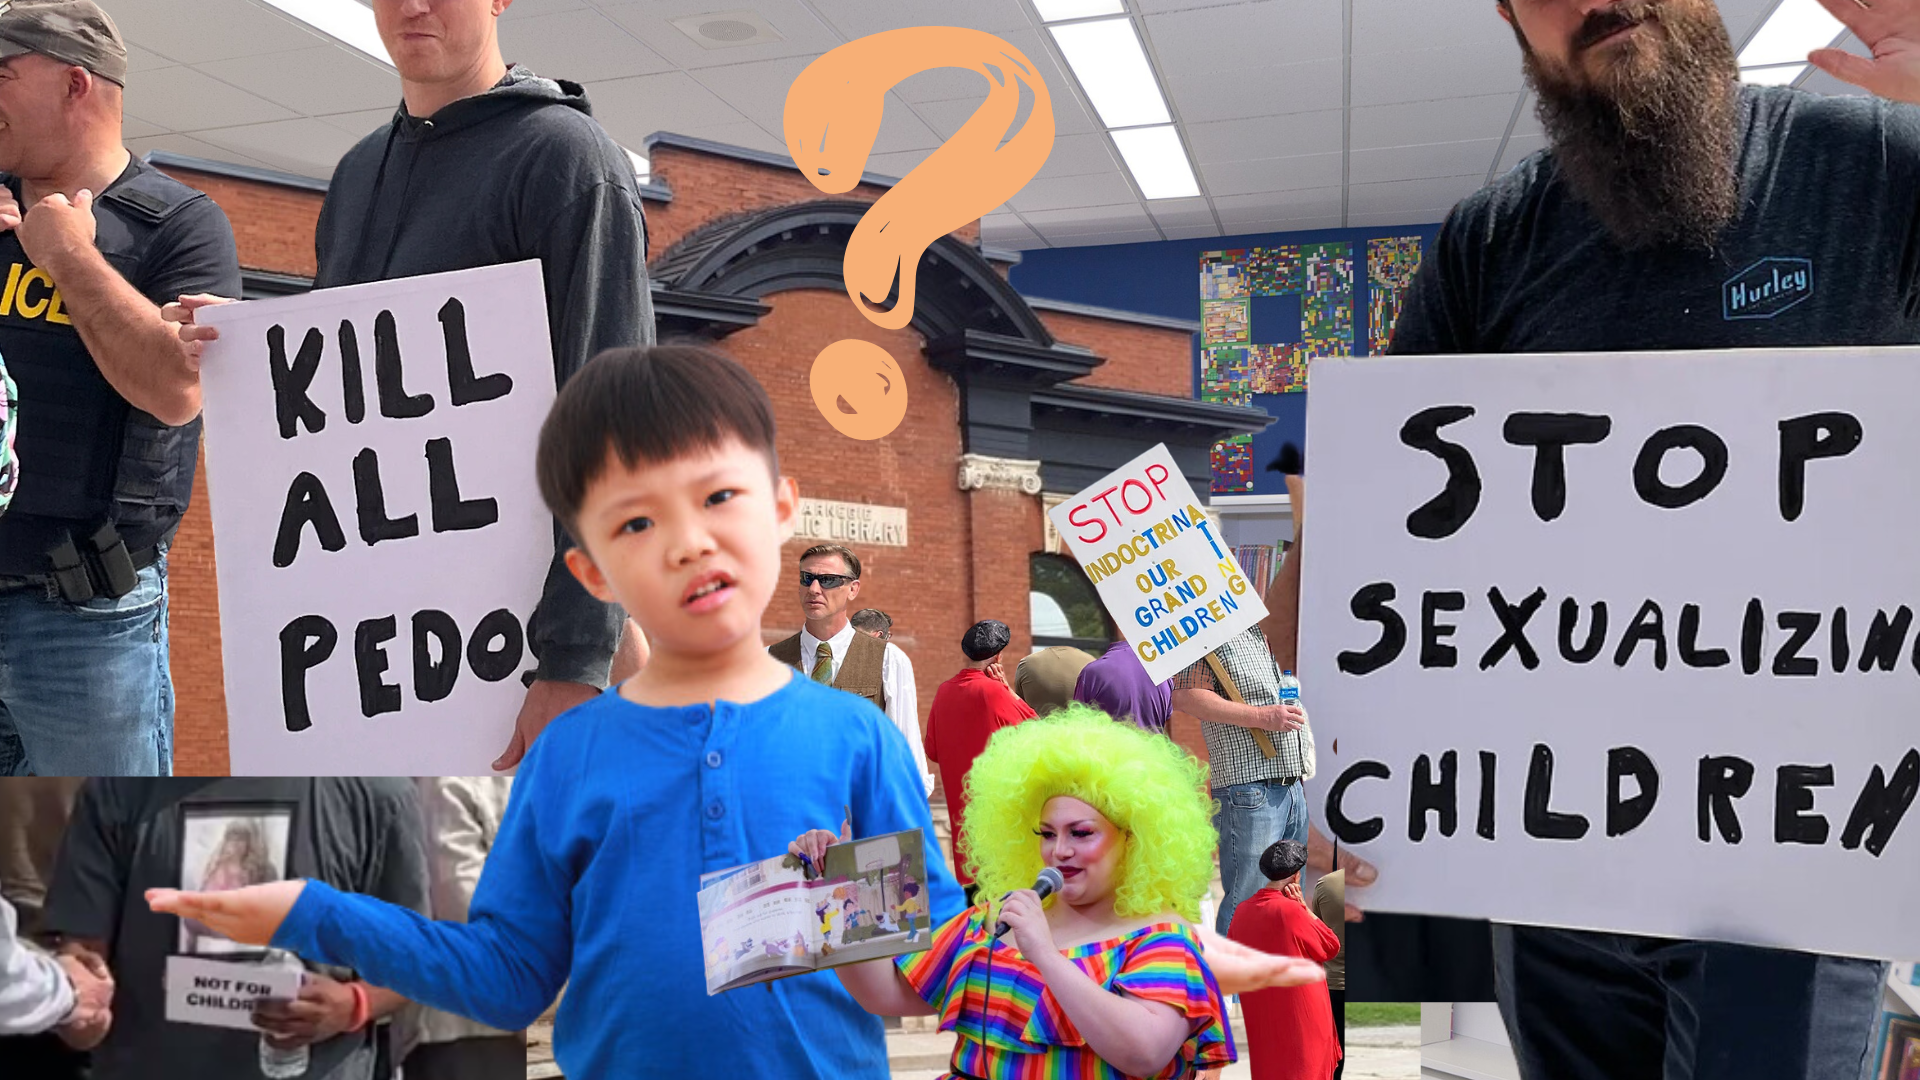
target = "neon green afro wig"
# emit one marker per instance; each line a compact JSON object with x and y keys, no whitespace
{"x":1144,"y":783}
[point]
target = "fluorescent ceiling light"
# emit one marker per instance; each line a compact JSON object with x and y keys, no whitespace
{"x":347,"y":21}
{"x":1796,"y":28}
{"x":1158,"y":162}
{"x":1781,"y":75}
{"x":1056,"y":10}
{"x":1112,"y":68}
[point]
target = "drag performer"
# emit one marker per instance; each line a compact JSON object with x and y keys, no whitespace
{"x":1106,"y":979}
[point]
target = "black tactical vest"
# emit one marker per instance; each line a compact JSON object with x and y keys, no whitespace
{"x":85,"y":455}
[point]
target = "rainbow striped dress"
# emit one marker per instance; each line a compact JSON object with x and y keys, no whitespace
{"x":1027,"y":1035}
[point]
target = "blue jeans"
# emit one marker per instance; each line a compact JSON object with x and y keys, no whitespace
{"x":84,"y":688}
{"x":1581,"y":1005}
{"x":1251,"y":818}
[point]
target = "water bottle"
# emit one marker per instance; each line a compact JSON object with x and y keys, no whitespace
{"x":1289,"y":689}
{"x":277,"y":1064}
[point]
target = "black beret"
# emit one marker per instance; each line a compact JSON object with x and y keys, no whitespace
{"x":985,"y":638}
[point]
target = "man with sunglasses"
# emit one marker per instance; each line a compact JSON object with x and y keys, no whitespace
{"x":828,"y":649}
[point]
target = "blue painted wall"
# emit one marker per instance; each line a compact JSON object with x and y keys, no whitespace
{"x":1163,"y":278}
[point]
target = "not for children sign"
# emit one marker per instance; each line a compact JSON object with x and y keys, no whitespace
{"x":1623,"y":642}
{"x":378,"y":532}
{"x":1171,"y":584}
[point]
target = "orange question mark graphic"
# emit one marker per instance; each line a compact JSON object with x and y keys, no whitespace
{"x":832,"y":119}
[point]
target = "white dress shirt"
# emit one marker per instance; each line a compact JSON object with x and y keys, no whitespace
{"x":34,"y":992}
{"x":896,"y":683}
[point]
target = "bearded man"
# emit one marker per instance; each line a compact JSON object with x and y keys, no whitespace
{"x":1674,"y":209}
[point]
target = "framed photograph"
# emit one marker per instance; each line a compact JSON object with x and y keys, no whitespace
{"x":228,"y":846}
{"x":1899,"y":1048}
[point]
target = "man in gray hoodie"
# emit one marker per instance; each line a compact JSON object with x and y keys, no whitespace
{"x":484,"y":164}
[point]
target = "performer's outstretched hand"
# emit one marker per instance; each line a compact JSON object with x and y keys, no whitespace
{"x":249,"y":915}
{"x":1240,"y":969}
{"x":1890,"y":29}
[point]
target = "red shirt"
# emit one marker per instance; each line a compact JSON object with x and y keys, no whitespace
{"x":967,"y":710}
{"x":1289,"y":1029}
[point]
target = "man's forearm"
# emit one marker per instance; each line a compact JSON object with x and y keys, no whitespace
{"x":140,"y":355}
{"x":1282,"y":624}
{"x":1214,"y":709}
{"x":573,"y":635}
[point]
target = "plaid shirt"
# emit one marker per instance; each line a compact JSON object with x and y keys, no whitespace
{"x":1235,"y":757}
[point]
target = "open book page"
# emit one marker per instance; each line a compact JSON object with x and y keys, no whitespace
{"x":769,"y":919}
{"x":757,"y":922}
{"x":872,"y":899}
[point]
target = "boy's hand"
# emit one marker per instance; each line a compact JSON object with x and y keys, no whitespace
{"x":250,"y":915}
{"x":812,"y":845}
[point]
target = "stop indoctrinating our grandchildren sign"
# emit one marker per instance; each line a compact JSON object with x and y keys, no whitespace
{"x":378,"y":532}
{"x":1623,"y":642}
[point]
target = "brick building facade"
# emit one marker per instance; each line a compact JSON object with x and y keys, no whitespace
{"x":1009,"y":401}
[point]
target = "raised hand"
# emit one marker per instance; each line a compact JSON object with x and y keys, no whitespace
{"x":1890,"y":29}
{"x":1026,"y":920}
{"x":1241,"y":969}
{"x":248,"y":915}
{"x":56,"y":228}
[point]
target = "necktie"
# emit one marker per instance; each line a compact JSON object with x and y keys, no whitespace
{"x":823,"y":664}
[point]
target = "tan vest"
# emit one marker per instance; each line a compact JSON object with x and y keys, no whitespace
{"x":859,"y":672}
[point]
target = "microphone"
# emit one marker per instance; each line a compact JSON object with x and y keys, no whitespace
{"x":1048,"y":883}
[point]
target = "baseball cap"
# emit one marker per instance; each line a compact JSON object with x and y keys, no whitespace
{"x":71,"y":31}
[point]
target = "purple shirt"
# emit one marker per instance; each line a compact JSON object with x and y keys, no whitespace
{"x":1117,"y":684}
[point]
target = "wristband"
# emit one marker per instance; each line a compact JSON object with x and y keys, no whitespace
{"x":362,"y":1006}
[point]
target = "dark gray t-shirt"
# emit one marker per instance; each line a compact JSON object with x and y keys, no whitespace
{"x":129,"y":835}
{"x":1825,"y":250}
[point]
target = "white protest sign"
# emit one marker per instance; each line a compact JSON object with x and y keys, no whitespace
{"x":1171,"y":585}
{"x":378,"y":532}
{"x":218,"y":993}
{"x":1622,"y":642}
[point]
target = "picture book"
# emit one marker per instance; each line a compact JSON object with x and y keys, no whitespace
{"x":779,"y":917}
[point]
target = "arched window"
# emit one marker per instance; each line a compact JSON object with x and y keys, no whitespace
{"x":1065,"y":608}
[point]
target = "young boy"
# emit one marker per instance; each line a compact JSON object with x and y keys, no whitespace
{"x":661,"y":462}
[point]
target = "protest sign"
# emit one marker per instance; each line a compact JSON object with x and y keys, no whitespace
{"x":1171,"y":585}
{"x":378,"y":533}
{"x":1622,"y":642}
{"x":219,"y":993}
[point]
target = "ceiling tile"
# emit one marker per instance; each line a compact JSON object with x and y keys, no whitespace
{"x":580,"y":46}
{"x":1268,"y":136}
{"x":139,"y":59}
{"x":523,"y":10}
{"x":1819,"y":82}
{"x":1253,"y":36}
{"x":1438,"y":120}
{"x":947,"y":117}
{"x":1181,"y":212}
{"x":744,"y":134}
{"x":801,"y":32}
{"x":1419,"y":74}
{"x":944,"y":84}
{"x":632,"y":109}
{"x":1743,"y":17}
{"x":758,"y":89}
{"x":1389,"y":220}
{"x":1234,"y":178}
{"x":1235,"y":93}
{"x":132,"y":127}
{"x":1422,"y":162}
{"x":1102,"y":237}
{"x":1528,"y":122}
{"x":1080,"y":155}
{"x":183,"y":99}
{"x":1059,"y":193}
{"x":1256,"y":221}
{"x":304,"y":146}
{"x":359,"y":124}
{"x":312,"y":81}
{"x":210,"y":29}
{"x":1395,"y":26}
{"x":1324,"y":200}
{"x":1519,"y":147}
{"x":176,"y":143}
{"x":1402,"y":195}
{"x":859,"y":18}
{"x":1119,"y":216}
{"x":1005,"y":230}
{"x":1154,"y":7}
{"x":1190,"y":232}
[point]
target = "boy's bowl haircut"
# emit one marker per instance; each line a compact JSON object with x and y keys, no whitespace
{"x":653,"y":405}
{"x":1144,"y":783}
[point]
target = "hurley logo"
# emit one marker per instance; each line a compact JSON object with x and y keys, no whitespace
{"x":1767,"y":288}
